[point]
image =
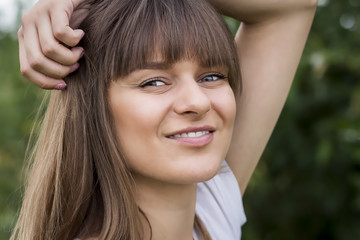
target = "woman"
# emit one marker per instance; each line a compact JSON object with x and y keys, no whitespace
{"x":151,"y":112}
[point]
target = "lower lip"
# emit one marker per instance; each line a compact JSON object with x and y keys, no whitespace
{"x":195,"y":141}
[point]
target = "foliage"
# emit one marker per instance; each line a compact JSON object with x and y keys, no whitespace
{"x":307,"y":185}
{"x":18,"y":104}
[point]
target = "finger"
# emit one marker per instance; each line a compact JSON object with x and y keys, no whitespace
{"x":37,"y":78}
{"x":78,"y":16}
{"x":37,"y":61}
{"x":51,"y":47}
{"x":62,"y":31}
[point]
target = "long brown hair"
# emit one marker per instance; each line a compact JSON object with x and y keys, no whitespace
{"x":80,"y":185}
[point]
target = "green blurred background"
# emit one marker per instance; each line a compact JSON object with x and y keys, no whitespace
{"x":307,"y":184}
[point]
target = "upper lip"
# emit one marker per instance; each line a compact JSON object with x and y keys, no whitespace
{"x":192,"y":129}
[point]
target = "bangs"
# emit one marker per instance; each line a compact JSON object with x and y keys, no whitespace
{"x":136,"y":32}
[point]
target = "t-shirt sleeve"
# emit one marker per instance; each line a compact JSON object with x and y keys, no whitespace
{"x":219,"y":205}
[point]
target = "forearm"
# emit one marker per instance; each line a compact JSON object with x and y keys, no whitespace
{"x":269,"y":53}
{"x":253,"y":11}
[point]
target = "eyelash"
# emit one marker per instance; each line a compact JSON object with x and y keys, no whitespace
{"x":148,"y":82}
{"x":218,"y":75}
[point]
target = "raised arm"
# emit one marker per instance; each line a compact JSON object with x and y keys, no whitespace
{"x":270,"y":43}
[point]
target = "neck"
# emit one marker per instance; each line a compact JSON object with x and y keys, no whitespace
{"x":170,"y":208}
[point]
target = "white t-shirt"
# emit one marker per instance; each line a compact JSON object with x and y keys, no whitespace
{"x":219,"y":206}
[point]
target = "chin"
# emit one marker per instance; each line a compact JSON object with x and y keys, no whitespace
{"x":200,"y":172}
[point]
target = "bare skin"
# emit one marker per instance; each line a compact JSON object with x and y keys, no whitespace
{"x":270,"y":43}
{"x":47,"y":27}
{"x":269,"y":48}
{"x":178,"y":97}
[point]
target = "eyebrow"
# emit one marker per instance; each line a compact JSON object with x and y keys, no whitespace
{"x":153,"y":65}
{"x":163,"y":66}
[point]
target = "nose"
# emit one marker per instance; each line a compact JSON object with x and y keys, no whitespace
{"x":191,"y":99}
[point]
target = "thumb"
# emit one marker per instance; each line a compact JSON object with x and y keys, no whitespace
{"x":62,"y":30}
{"x":61,"y":18}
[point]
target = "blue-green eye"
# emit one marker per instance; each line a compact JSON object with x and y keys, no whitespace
{"x":212,"y":77}
{"x":152,"y":83}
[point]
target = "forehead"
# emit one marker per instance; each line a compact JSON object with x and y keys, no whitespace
{"x":165,"y":65}
{"x":163,"y":50}
{"x":152,"y":37}
{"x":166,"y":55}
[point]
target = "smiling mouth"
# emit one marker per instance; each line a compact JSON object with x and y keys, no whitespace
{"x":193,"y":136}
{"x":190,"y":134}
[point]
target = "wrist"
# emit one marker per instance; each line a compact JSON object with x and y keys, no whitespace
{"x":254,"y":11}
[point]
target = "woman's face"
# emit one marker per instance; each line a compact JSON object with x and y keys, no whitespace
{"x":174,"y":122}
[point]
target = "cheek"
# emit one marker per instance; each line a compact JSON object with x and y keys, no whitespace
{"x":137,"y":121}
{"x":137,"y":114}
{"x":224,"y":105}
{"x":129,"y":122}
{"x":223,"y":102}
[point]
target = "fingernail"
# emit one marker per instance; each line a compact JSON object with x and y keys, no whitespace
{"x":60,"y":86}
{"x":82,"y":53}
{"x":80,"y":32}
{"x":74,"y":67}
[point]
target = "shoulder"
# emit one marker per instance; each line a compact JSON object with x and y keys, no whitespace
{"x":219,"y":205}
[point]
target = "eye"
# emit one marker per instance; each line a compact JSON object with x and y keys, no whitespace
{"x":212,"y":77}
{"x":152,"y":83}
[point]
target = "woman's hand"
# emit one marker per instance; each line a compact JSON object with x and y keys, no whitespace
{"x":47,"y":41}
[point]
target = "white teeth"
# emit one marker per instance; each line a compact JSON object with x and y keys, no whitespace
{"x":190,"y":134}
